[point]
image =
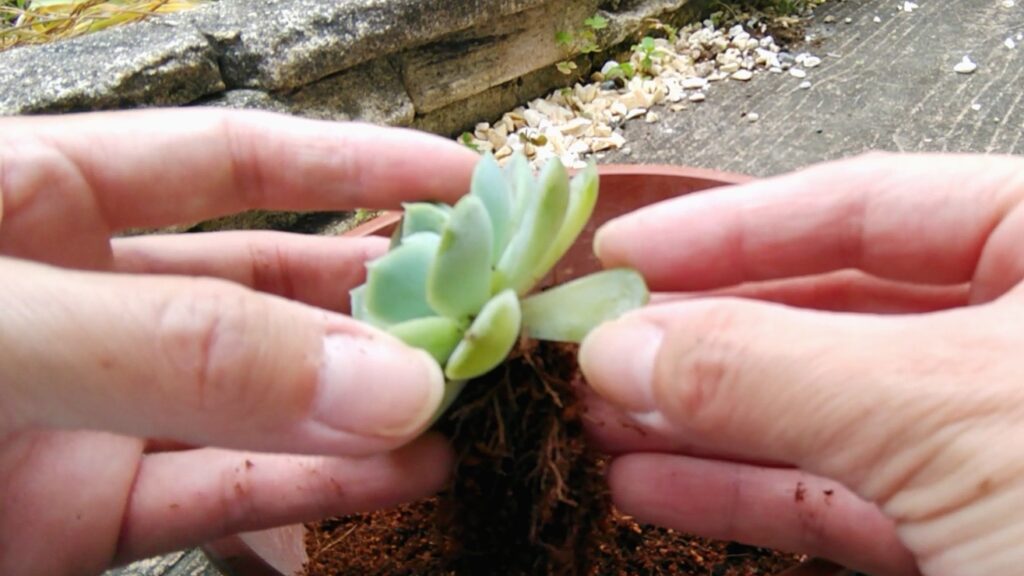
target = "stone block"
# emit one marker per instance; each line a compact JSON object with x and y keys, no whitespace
{"x":278,"y":45}
{"x":371,"y":92}
{"x":145,"y":64}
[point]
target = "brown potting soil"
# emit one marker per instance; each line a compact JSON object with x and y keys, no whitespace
{"x":528,"y":497}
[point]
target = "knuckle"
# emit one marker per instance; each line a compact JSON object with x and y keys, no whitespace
{"x":244,"y":138}
{"x":269,"y":269}
{"x":205,"y":332}
{"x":31,"y":173}
{"x":703,"y":372}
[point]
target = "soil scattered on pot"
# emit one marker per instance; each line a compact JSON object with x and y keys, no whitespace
{"x":528,"y":497}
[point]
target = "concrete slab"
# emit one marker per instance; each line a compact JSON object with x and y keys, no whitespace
{"x":886,"y":85}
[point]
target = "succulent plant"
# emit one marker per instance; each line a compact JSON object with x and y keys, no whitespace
{"x":457,"y":280}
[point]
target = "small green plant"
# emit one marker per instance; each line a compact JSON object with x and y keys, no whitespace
{"x":646,"y":51}
{"x":644,"y":54}
{"x":624,"y":70}
{"x":466,"y":139}
{"x":582,"y":41}
{"x":457,"y":280}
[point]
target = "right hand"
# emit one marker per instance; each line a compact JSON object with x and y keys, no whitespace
{"x":846,"y":376}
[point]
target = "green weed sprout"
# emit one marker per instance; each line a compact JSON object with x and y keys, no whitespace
{"x":457,"y":280}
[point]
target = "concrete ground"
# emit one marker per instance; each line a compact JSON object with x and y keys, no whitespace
{"x":886,"y":85}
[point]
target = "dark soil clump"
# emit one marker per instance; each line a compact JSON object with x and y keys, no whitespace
{"x":528,"y":497}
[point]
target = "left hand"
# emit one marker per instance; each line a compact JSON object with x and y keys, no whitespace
{"x":129,"y":385}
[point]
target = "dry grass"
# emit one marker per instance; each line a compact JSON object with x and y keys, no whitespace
{"x":38,"y":21}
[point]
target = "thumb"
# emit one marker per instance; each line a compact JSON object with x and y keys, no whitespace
{"x":203,"y":362}
{"x":835,"y":394}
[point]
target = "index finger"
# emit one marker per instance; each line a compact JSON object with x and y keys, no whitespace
{"x":160,"y":167}
{"x":923,"y":219}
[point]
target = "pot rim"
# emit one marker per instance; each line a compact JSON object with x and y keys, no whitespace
{"x":389,"y":217}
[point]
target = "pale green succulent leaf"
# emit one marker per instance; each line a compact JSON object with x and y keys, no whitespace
{"x":452,"y":389}
{"x":396,"y":283}
{"x":459,"y":281}
{"x":521,"y":185}
{"x":488,"y":340}
{"x":423,"y":217}
{"x":489,"y":185}
{"x":582,"y":199}
{"x":568,"y":312}
{"x":541,"y":221}
{"x":436,"y":335}
{"x":357,"y":307}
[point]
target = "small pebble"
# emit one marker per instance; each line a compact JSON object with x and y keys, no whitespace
{"x":797,"y":73}
{"x":876,"y":20}
{"x":1008,"y":3}
{"x":830,"y":19}
{"x":742,"y":75}
{"x":909,"y":7}
{"x":812,"y":62}
{"x":693,"y":83}
{"x":848,"y":20}
{"x":753,"y":117}
{"x":697,"y":97}
{"x":1009,"y":43}
{"x":651,"y":118}
{"x":975,"y":106}
{"x":965,"y":66}
{"x":805,"y":85}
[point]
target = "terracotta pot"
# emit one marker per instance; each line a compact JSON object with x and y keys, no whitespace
{"x":624,"y":188}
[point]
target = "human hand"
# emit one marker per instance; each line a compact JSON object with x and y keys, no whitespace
{"x":840,"y":373}
{"x":133,"y":340}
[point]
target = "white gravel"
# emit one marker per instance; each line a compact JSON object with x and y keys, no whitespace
{"x":576,"y":123}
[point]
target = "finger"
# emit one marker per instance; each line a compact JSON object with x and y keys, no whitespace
{"x":843,"y":291}
{"x":315,"y":270}
{"x":908,"y":218}
{"x":839,"y":395}
{"x":616,"y":432}
{"x":184,"y":499}
{"x":156,"y":168}
{"x":780,"y":509}
{"x":204,"y":362}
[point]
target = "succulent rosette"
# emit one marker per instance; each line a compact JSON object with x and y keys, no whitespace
{"x":457,"y":280}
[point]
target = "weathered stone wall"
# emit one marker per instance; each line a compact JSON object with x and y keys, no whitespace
{"x":440,"y":65}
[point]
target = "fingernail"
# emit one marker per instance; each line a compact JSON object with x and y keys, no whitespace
{"x":371,"y":385}
{"x":600,"y":241}
{"x":618,"y":362}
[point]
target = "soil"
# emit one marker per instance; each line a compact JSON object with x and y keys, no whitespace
{"x":528,"y":497}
